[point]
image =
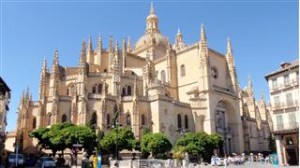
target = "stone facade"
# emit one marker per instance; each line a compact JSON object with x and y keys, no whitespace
{"x":168,"y":88}
{"x":284,"y":97}
{"x":4,"y":101}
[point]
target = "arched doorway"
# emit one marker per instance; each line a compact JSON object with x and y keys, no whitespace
{"x":225,"y":123}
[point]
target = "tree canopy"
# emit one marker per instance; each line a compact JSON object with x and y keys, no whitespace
{"x":61,"y":136}
{"x":201,"y":144}
{"x":157,"y":144}
{"x":118,"y":139}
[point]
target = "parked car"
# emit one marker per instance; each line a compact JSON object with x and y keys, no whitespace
{"x":16,"y":159}
{"x":46,"y":162}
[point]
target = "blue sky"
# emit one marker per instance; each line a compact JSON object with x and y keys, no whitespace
{"x":263,"y":34}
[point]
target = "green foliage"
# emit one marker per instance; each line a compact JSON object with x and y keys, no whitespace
{"x":157,"y":144}
{"x":61,"y":136}
{"x":198,"y":144}
{"x":123,"y":137}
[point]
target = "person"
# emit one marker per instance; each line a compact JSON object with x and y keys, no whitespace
{"x":225,"y":161}
{"x":133,"y":156}
{"x":214,"y":160}
{"x":170,"y":162}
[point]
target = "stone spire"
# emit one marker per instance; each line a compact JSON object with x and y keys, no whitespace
{"x":231,"y":67}
{"x":110,"y":54}
{"x":55,"y":65}
{"x":203,"y":38}
{"x":124,"y":54}
{"x":129,"y":44}
{"x":99,"y":51}
{"x":43,"y":79}
{"x":229,"y":48}
{"x":152,"y":21}
{"x":82,"y":58}
{"x":90,"y":51}
{"x":250,"y":86}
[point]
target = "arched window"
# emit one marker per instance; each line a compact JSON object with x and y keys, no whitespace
{"x":163,"y":76}
{"x":94,"y":89}
{"x":186,"y":122}
{"x":68,"y":91}
{"x":108,"y":119}
{"x":100,"y":88}
{"x":179,"y":121}
{"x":128,"y":119}
{"x":123,"y":91}
{"x":143,"y":118}
{"x":49,"y":119}
{"x":93,"y":120}
{"x":64,"y":118}
{"x":105,"y":70}
{"x":182,"y":70}
{"x":34,"y":123}
{"x":128,"y":90}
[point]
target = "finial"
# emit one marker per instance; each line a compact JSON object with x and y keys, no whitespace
{"x":44,"y":67}
{"x":129,"y":45}
{"x":55,"y":60}
{"x":229,"y":48}
{"x":90,"y":46}
{"x":249,"y":81}
{"x":178,"y":31}
{"x":82,"y":54}
{"x":110,"y":43}
{"x":203,"y":34}
{"x":152,"y":9}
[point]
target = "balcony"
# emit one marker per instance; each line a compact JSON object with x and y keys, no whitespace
{"x":285,"y":85}
{"x":279,"y":106}
{"x":286,"y":128}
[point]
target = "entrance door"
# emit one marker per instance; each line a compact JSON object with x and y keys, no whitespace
{"x":292,"y":157}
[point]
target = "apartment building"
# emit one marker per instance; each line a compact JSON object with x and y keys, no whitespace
{"x":284,"y":98}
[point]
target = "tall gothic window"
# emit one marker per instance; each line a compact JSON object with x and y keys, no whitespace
{"x":94,"y":89}
{"x":34,"y":123}
{"x":143,"y":118}
{"x":108,"y":119}
{"x":49,"y":119}
{"x":163,"y":76}
{"x":182,"y":70}
{"x":128,"y":90}
{"x":64,"y":118}
{"x":186,"y":122}
{"x":179,"y":121}
{"x":100,"y":88}
{"x":93,"y":120}
{"x":128,"y":119}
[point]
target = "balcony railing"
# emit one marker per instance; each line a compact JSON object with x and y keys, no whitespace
{"x":286,"y":127}
{"x":280,"y":86}
{"x":282,"y":105}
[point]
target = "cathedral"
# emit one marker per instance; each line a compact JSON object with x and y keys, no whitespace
{"x":172,"y":88}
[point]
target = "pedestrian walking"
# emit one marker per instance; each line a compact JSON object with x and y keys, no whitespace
{"x":225,"y":161}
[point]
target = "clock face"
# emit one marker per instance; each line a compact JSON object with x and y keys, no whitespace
{"x":214,"y":72}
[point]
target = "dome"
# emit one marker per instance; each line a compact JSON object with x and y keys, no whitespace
{"x":154,"y":37}
{"x":152,"y":16}
{"x":179,"y":46}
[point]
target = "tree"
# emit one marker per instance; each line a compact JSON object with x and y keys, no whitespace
{"x":61,"y":136}
{"x":157,"y":144}
{"x":198,"y":144}
{"x":118,"y":139}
